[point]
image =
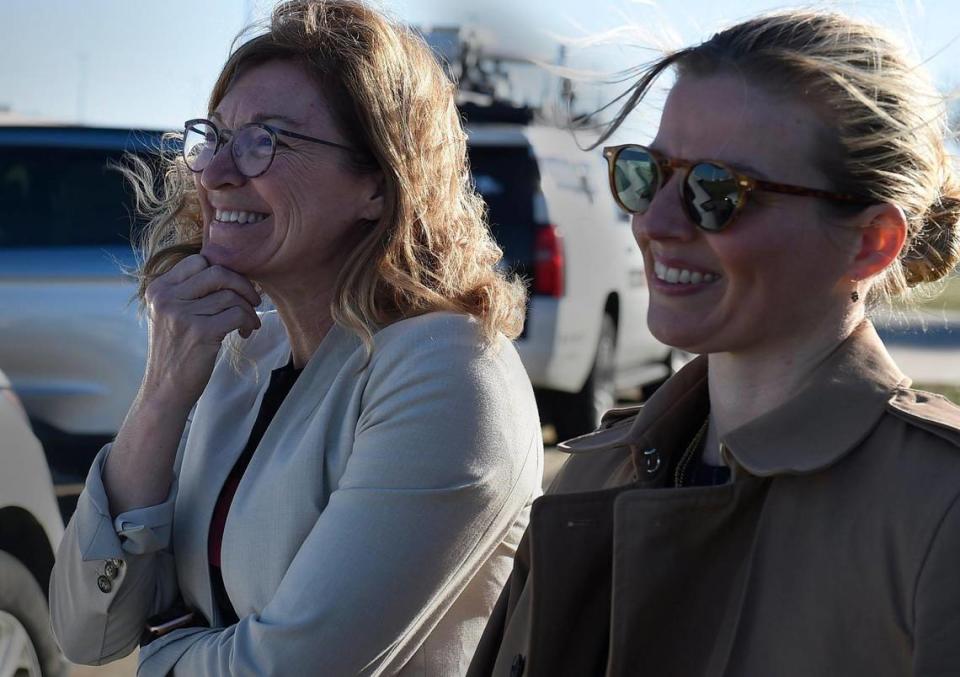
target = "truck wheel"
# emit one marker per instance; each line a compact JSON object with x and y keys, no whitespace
{"x":27,"y":647}
{"x":579,"y":413}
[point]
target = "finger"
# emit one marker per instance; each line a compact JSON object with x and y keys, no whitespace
{"x":234,"y":318}
{"x":213,"y":279}
{"x":217,"y":302}
{"x":185,"y":269}
{"x":223,"y":300}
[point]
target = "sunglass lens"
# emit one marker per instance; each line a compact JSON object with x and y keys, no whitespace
{"x":253,"y":150}
{"x":199,"y":145}
{"x":710,"y":195}
{"x":636,"y":176}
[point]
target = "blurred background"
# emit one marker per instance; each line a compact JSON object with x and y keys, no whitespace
{"x":84,"y":82}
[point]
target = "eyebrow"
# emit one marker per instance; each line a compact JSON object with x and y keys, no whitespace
{"x":263,"y":117}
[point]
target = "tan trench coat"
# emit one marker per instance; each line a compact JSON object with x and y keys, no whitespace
{"x":834,"y":551}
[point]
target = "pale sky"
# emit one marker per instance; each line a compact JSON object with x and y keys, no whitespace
{"x":151,"y":64}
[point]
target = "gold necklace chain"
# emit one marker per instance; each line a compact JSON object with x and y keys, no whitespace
{"x":689,"y":453}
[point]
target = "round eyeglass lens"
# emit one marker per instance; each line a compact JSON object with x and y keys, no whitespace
{"x":710,"y":195}
{"x":199,"y":145}
{"x":636,"y":176}
{"x":253,"y":150}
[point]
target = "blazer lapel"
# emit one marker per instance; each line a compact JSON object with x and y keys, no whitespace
{"x":224,"y":417}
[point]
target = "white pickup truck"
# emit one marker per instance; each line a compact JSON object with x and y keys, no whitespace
{"x":586,"y":337}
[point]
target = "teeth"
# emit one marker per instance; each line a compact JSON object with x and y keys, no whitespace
{"x":231,"y":216}
{"x":680,"y":275}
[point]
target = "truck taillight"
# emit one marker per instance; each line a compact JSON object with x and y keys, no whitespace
{"x":548,"y":262}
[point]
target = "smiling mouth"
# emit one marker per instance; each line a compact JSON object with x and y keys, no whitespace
{"x":240,"y":217}
{"x":680,"y":276}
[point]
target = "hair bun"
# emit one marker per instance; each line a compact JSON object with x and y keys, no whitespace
{"x":934,"y":250}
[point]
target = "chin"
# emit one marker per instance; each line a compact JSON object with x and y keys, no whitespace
{"x":218,"y":255}
{"x":676,"y":332}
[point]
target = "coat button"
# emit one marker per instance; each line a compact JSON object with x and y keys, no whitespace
{"x":651,"y":460}
{"x":519,"y":663}
{"x":105,"y":584}
{"x":112,"y":568}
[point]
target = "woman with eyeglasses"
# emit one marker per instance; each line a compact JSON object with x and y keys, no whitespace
{"x":336,"y":487}
{"x":786,"y":504}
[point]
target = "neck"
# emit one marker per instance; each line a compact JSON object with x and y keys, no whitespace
{"x":305,"y":313}
{"x":745,"y":385}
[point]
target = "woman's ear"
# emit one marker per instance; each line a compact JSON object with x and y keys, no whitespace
{"x":882,"y":230}
{"x":372,"y":209}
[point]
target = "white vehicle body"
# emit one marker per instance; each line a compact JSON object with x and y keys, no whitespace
{"x":25,"y":479}
{"x":30,"y":530}
{"x":71,"y":342}
{"x":603,"y":269}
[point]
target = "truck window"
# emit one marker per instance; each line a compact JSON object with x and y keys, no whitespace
{"x":62,"y":197}
{"x":507,"y":178}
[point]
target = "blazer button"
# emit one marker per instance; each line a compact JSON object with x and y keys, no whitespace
{"x":112,"y":568}
{"x":519,"y":663}
{"x":651,"y":460}
{"x":105,"y":584}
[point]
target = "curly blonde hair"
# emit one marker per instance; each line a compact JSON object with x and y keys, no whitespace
{"x":888,"y":121}
{"x":431,"y":249}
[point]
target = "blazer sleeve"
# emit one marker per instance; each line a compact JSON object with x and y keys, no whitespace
{"x":936,"y":648}
{"x":111,"y":573}
{"x":446,"y":458}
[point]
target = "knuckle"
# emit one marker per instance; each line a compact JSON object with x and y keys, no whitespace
{"x":158,"y":301}
{"x":156,"y":285}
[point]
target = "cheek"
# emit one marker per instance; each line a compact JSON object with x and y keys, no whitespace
{"x":793,"y":273}
{"x":638,"y":232}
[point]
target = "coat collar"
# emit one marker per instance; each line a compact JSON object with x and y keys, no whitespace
{"x":834,"y":409}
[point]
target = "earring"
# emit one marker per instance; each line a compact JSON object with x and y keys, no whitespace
{"x":855,"y":296}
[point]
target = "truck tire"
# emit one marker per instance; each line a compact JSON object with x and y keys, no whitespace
{"x":579,"y":413}
{"x":27,"y":647}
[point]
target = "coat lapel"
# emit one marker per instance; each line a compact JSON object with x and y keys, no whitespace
{"x":281,"y":454}
{"x":221,"y":426}
{"x":571,"y":593}
{"x":688,"y":550}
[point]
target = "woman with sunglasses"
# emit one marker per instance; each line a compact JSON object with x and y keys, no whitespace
{"x":786,"y":504}
{"x":336,"y":487}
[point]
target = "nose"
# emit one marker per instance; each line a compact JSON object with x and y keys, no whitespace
{"x":222,"y":171}
{"x":665,"y":218}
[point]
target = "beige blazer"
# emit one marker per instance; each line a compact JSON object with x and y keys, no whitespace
{"x":371,"y":533}
{"x":834,"y":552}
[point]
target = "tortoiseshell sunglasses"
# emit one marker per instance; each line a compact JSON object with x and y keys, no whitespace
{"x":712,"y":193}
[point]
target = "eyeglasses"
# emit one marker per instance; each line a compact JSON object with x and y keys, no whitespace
{"x":254,"y":145}
{"x":712,"y":194}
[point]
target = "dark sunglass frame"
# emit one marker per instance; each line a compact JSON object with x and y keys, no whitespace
{"x":665,"y":167}
{"x":223,"y":136}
